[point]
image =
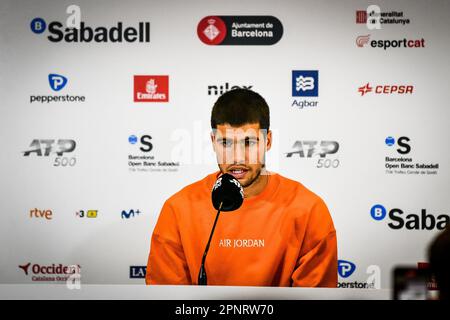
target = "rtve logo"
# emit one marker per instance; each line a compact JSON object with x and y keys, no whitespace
{"x":398,"y":219}
{"x":44,"y":214}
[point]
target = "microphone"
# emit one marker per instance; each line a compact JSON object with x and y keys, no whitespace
{"x":227,"y":195}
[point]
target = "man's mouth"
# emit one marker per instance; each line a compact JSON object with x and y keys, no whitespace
{"x":238,"y":173}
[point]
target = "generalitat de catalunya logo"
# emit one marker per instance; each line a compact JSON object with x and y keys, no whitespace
{"x":240,"y":30}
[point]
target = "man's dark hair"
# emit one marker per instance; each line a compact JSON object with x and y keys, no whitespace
{"x":240,"y":106}
{"x":439,"y":257}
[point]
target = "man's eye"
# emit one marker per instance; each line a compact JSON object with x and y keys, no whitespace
{"x":250,"y":143}
{"x":226,"y":143}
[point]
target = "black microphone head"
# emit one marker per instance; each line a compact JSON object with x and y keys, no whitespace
{"x":228,"y":191}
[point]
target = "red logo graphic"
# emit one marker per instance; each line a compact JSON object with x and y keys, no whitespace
{"x":361,"y":41}
{"x":211,"y":30}
{"x":386,"y":89}
{"x":151,"y":88}
{"x":365,"y":89}
{"x":361,"y":16}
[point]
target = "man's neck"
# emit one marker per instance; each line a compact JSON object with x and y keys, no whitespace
{"x":257,"y":186}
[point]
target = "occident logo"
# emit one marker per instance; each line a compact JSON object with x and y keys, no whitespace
{"x":49,"y":273}
{"x":151,"y":88}
{"x":239,"y":30}
{"x":87,"y":34}
{"x":412,"y":221}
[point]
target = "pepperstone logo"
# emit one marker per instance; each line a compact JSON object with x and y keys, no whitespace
{"x":411,"y":221}
{"x":50,"y":273}
{"x":346,"y":269}
{"x":399,"y":161}
{"x":57,"y":82}
{"x":88,"y":34}
{"x":239,"y":30}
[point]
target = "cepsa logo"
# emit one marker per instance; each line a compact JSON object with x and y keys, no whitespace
{"x":239,"y":30}
{"x":151,"y":88}
{"x":412,"y":221}
{"x":385,"y":89}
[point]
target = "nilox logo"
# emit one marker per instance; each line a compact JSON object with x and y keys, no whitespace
{"x":399,"y":220}
{"x":83,"y":33}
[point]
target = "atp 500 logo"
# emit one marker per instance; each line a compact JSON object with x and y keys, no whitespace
{"x":412,"y":221}
{"x":48,"y":147}
{"x":325,"y":150}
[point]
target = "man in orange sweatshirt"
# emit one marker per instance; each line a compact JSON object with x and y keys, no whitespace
{"x":282,"y":235}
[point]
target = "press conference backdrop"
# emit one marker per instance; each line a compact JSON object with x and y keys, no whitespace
{"x":105,"y":110}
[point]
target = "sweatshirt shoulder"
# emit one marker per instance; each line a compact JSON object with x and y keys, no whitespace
{"x":294,"y":191}
{"x":192,"y":192}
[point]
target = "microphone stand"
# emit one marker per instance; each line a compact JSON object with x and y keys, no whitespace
{"x":202,"y":280}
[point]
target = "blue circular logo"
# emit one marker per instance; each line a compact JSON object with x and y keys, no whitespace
{"x":390,"y":141}
{"x":378,"y":212}
{"x":132,"y":139}
{"x":38,"y":25}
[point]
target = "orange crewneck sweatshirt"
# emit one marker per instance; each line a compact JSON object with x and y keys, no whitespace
{"x":283,"y":236}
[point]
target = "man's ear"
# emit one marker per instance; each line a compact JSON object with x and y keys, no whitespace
{"x":213,"y":138}
{"x":269,"y":140}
